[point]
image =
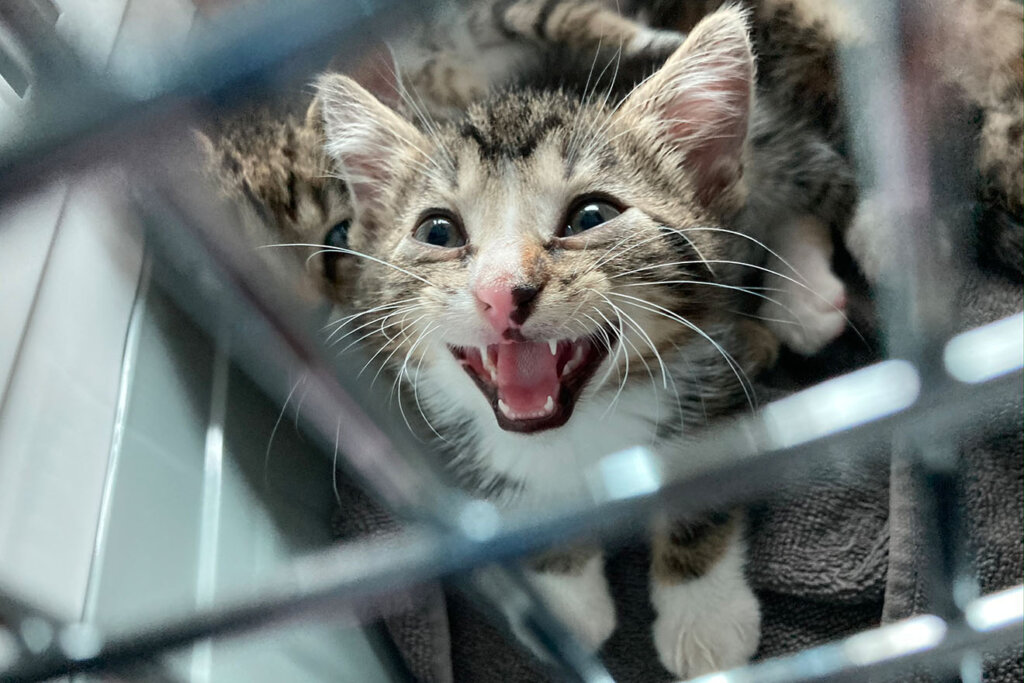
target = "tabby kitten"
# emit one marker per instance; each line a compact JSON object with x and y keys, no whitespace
{"x":556,"y":278}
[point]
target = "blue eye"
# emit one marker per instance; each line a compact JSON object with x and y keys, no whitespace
{"x":439,"y":231}
{"x":337,"y":236}
{"x":589,"y":214}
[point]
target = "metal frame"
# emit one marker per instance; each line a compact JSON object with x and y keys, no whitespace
{"x":933,"y":387}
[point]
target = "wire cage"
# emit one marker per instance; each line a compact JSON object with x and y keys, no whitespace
{"x":933,"y":387}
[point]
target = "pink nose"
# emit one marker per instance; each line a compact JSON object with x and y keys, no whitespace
{"x":505,"y":306}
{"x":496,"y":305}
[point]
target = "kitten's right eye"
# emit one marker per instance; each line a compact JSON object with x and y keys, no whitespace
{"x":439,"y":231}
{"x":336,"y":237}
{"x":588,"y":214}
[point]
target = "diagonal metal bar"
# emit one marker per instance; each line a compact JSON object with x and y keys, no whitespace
{"x":988,"y":623}
{"x":86,"y":118}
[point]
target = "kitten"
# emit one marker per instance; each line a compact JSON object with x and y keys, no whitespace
{"x":271,"y":165}
{"x":564,"y":282}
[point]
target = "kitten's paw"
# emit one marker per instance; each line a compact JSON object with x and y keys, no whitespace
{"x":655,"y":42}
{"x":580,"y":600}
{"x":706,"y":624}
{"x":869,"y":240}
{"x":807,"y":306}
{"x":806,"y":318}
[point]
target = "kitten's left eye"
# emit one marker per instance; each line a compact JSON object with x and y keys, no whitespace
{"x":588,"y":214}
{"x":439,"y":231}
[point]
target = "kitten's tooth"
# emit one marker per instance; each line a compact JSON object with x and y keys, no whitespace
{"x":503,"y":407}
{"x":488,"y":365}
{"x":549,"y":405}
{"x":553,"y":345}
{"x":574,"y":362}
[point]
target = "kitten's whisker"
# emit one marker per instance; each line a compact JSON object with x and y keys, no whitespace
{"x":605,"y":340}
{"x":741,"y":375}
{"x":619,"y":346}
{"x":378,"y":309}
{"x":428,"y":122}
{"x":346,"y":319}
{"x":692,"y":244}
{"x":604,"y":102}
{"x":298,"y":407}
{"x":431,"y":170}
{"x":767,"y":319}
{"x":771,"y":272}
{"x":324,"y":249}
{"x":640,"y":330}
{"x":647,"y":367}
{"x":744,"y":290}
{"x":384,"y":346}
{"x":416,"y":395}
{"x":396,"y":387}
{"x":380,"y":329}
{"x":381,"y":320}
{"x":273,"y":431}
{"x":607,"y":258}
{"x":571,"y":146}
{"x":334,"y":464}
{"x":406,"y":333}
{"x":613,"y":252}
{"x":611,"y":114}
{"x":708,"y":228}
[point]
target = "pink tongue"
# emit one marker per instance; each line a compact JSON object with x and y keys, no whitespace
{"x":527,"y":375}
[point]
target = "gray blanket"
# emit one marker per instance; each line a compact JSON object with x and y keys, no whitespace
{"x":834,"y":555}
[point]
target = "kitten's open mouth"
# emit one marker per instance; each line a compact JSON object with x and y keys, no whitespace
{"x":532,"y":386}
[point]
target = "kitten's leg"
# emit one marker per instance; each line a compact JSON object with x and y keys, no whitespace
{"x":445,"y":80}
{"x":707,"y":616}
{"x":573,"y":586}
{"x":586,"y":25}
{"x":809,"y":304}
{"x":870,"y":241}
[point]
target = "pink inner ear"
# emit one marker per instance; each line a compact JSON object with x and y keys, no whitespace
{"x":367,"y":175}
{"x":706,"y":114}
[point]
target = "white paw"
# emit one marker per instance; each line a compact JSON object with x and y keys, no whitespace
{"x":708,"y":624}
{"x":580,"y":601}
{"x":805,"y":318}
{"x":655,"y":42}
{"x":807,"y":309}
{"x":870,"y":240}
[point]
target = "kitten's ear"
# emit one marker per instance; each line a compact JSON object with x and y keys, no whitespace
{"x":369,"y":141}
{"x":700,"y":101}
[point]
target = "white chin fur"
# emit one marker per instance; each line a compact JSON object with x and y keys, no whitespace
{"x":710,"y":623}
